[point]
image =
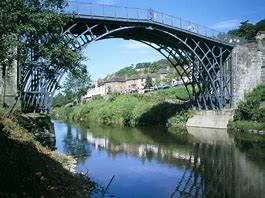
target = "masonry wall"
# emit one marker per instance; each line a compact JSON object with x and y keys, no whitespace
{"x":8,"y":85}
{"x":248,"y":70}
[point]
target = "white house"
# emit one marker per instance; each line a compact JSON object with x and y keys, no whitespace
{"x":98,"y":90}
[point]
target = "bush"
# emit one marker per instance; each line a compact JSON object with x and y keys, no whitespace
{"x":260,"y":115}
{"x":248,"y":109}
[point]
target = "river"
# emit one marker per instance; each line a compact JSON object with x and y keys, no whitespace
{"x":152,"y":162}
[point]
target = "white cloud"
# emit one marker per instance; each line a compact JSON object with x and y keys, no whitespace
{"x":105,"y":2}
{"x":229,"y":24}
{"x":135,"y":46}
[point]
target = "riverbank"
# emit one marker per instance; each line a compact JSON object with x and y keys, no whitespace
{"x":30,"y":170}
{"x":153,"y":108}
{"x":250,"y":114}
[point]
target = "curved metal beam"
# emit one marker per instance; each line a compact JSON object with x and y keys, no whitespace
{"x":205,"y":62}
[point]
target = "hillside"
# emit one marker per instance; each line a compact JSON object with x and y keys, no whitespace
{"x":30,"y":170}
{"x":153,"y":108}
{"x":141,"y":68}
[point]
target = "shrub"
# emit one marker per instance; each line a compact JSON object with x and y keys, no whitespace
{"x":248,"y":109}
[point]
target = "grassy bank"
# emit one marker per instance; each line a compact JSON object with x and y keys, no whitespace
{"x":250,"y":114}
{"x":30,"y":170}
{"x":152,"y":108}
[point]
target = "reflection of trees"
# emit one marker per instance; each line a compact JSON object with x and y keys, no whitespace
{"x":221,"y":172}
{"x":212,"y":170}
{"x":163,"y":146}
{"x":75,"y":144}
{"x":253,"y":146}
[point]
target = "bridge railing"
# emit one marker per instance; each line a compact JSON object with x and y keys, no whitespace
{"x":139,"y":14}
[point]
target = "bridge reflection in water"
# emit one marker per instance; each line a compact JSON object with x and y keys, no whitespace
{"x":204,"y":168}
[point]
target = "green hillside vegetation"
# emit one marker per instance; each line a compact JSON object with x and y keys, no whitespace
{"x":146,"y":67}
{"x":246,"y":30}
{"x":250,"y":114}
{"x":129,"y":109}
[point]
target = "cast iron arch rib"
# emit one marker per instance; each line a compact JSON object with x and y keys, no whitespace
{"x":201,"y":60}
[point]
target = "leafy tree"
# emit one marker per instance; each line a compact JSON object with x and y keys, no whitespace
{"x":77,"y":83}
{"x":246,"y":30}
{"x":142,"y":65}
{"x":31,"y":33}
{"x":148,"y":82}
{"x":157,"y":81}
{"x":260,"y":26}
{"x":126,"y":71}
{"x":63,"y":99}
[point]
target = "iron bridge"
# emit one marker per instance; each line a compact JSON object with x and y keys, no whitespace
{"x":201,"y":59}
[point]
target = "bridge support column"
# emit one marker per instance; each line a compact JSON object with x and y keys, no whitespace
{"x":248,"y":67}
{"x":8,"y":85}
{"x":211,"y":119}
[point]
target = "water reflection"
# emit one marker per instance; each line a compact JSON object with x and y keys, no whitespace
{"x":150,"y":162}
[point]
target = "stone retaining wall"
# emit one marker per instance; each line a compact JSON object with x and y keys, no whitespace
{"x":248,"y":68}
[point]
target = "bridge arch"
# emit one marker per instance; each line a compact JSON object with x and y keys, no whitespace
{"x":200,"y":62}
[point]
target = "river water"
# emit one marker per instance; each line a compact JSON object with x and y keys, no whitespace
{"x":152,"y":162}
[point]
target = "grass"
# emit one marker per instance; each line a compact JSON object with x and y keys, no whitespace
{"x":127,"y":110}
{"x":179,"y":92}
{"x":31,"y":170}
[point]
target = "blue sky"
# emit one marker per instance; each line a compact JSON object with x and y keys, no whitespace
{"x":108,"y":56}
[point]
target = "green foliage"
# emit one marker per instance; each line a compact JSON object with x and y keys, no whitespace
{"x":246,"y":30}
{"x":30,"y":32}
{"x":113,"y":96}
{"x":128,"y":110}
{"x":147,"y":66}
{"x":97,"y":97}
{"x":260,"y":115}
{"x":250,"y":115}
{"x":63,"y":99}
{"x":148,"y":82}
{"x":180,"y":118}
{"x":142,"y":65}
{"x":126,"y":71}
{"x":30,"y":170}
{"x":260,"y":26}
{"x":77,"y":83}
{"x":179,"y":92}
{"x":248,"y":109}
{"x":245,"y":126}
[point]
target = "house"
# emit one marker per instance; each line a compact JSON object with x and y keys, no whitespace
{"x":135,"y":83}
{"x":98,"y":89}
{"x":115,"y":84}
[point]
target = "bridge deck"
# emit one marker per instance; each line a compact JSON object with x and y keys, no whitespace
{"x":118,"y":14}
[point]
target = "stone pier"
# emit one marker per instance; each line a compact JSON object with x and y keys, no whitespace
{"x":41,"y":126}
{"x":248,"y":71}
{"x":8,"y":85}
{"x":248,"y":68}
{"x":211,"y":119}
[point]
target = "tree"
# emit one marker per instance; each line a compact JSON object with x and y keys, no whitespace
{"x":77,"y":83}
{"x":260,"y":26}
{"x":63,"y":99}
{"x":31,"y":33}
{"x":157,"y":81}
{"x":148,"y":82}
{"x":246,"y":30}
